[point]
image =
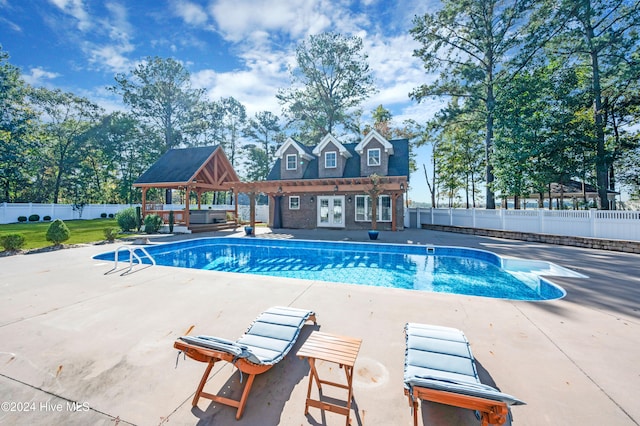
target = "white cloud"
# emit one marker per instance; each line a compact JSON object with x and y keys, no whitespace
{"x":117,"y":23}
{"x":110,"y":57}
{"x":39,"y":77}
{"x":255,"y":87}
{"x":76,"y":9}
{"x":15,"y":27}
{"x":191,"y":13}
{"x":112,"y":54}
{"x":245,"y":19}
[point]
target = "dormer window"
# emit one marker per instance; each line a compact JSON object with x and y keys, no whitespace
{"x":373,"y":157}
{"x":292,"y":161}
{"x":330,"y":159}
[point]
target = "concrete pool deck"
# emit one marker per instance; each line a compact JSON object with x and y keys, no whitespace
{"x":80,"y":347}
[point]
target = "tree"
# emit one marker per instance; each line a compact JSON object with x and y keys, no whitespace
{"x":66,"y":119}
{"x":207,"y":123}
{"x":122,"y":155}
{"x":234,"y":118}
{"x":381,"y":122}
{"x":602,"y":36}
{"x":471,"y":42}
{"x":331,"y":80}
{"x":17,"y":144}
{"x":264,"y":129}
{"x":159,"y":91}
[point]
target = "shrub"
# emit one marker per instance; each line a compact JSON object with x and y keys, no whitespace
{"x":103,"y":215}
{"x":110,"y":215}
{"x":58,"y":232}
{"x":46,"y":218}
{"x":34,"y":218}
{"x":12,"y":242}
{"x":152,"y":223}
{"x":22,"y":218}
{"x":126,"y":219}
{"x":171,"y":221}
{"x":110,"y":234}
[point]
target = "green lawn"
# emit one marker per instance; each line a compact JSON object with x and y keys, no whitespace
{"x":82,"y":231}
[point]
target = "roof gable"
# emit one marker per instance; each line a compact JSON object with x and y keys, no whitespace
{"x":329,"y":138}
{"x":301,"y":150}
{"x":388,"y":147}
{"x":178,"y":167}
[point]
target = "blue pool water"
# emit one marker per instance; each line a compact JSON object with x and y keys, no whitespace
{"x":437,"y":269}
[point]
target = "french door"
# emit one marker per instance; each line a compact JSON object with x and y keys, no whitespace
{"x":331,"y":211}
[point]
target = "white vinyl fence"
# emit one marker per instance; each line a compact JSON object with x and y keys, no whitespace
{"x":9,"y":212}
{"x":607,"y":224}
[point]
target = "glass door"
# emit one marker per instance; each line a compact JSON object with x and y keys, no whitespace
{"x":331,"y":211}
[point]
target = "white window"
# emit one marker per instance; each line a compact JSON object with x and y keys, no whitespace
{"x":294,"y":202}
{"x":330,"y":160}
{"x":292,"y":161}
{"x":373,"y":157}
{"x":363,"y":208}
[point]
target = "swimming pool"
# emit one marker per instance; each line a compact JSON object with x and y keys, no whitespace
{"x":428,"y":268}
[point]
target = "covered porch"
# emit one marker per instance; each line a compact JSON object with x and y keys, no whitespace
{"x":276,"y":190}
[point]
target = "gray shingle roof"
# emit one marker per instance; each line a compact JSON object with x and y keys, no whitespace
{"x":177,"y":165}
{"x":398,"y":162}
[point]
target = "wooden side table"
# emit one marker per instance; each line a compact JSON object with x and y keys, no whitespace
{"x":331,"y":348}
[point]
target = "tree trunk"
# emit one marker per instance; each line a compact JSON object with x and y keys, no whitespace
{"x":374,"y":212}
{"x":601,"y":155}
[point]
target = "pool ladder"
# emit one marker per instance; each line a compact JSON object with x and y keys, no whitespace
{"x":132,"y":256}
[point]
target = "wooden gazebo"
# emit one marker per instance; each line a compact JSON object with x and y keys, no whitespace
{"x":199,"y":170}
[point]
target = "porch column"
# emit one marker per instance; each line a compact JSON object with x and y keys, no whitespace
{"x":394,"y":214}
{"x":252,"y":211}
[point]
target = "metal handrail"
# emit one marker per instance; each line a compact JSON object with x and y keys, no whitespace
{"x":132,"y":255}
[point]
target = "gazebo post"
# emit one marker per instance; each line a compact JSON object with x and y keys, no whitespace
{"x":187,"y":193}
{"x":144,"y":200}
{"x":235,"y":201}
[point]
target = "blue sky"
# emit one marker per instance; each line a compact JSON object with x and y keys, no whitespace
{"x":239,"y":48}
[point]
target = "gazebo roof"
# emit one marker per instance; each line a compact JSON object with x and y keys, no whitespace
{"x":572,"y":188}
{"x":204,"y":167}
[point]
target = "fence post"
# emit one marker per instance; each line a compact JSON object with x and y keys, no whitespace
{"x":592,"y":223}
{"x":541,"y":221}
{"x":502,"y":219}
{"x":473,"y":217}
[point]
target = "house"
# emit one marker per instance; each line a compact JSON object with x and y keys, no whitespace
{"x":328,"y":185}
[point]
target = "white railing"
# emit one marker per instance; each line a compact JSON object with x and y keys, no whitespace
{"x":609,"y":224}
{"x":132,"y":256}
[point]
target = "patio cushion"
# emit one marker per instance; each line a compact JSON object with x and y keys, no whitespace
{"x":266,"y":342}
{"x":440,"y":358}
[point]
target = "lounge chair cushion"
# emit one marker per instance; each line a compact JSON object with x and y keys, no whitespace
{"x":440,"y":358}
{"x":268,"y":339}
